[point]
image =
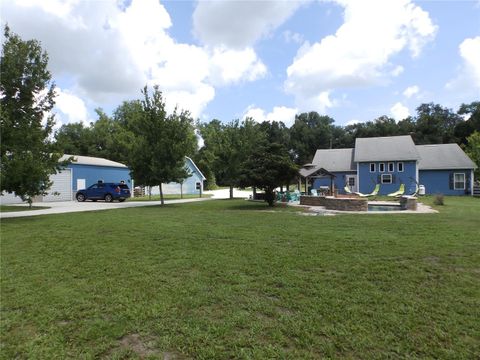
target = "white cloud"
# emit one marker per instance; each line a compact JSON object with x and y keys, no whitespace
{"x":410,"y":91}
{"x":239,"y":24}
{"x":292,"y":37}
{"x":279,"y":113}
{"x":352,"y":122}
{"x":468,"y":78}
{"x":397,"y":71}
{"x":71,"y":108}
{"x":109,"y":50}
{"x":399,"y":111}
{"x":360,"y":53}
{"x":230,"y":66}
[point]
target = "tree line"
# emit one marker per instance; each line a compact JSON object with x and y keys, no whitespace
{"x":227,"y":145}
{"x":153,"y":144}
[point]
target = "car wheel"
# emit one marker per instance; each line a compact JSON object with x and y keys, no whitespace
{"x":108,"y":198}
{"x":80,"y":198}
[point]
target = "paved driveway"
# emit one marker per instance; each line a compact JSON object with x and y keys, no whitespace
{"x":62,"y":207}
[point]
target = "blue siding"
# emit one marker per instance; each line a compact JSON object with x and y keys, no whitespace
{"x":92,"y":174}
{"x":439,"y":181}
{"x":339,"y":181}
{"x":368,"y":179}
{"x":189,"y":185}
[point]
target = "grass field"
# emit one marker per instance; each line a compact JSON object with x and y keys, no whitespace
{"x":167,"y":197}
{"x":231,"y":279}
{"x":10,"y":208}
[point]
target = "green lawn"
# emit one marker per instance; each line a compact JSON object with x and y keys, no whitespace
{"x":10,"y":208}
{"x":167,"y":197}
{"x":231,"y":279}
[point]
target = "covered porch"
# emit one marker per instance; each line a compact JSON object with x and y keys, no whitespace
{"x":311,"y":172}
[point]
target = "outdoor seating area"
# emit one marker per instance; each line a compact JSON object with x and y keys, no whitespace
{"x":288,"y":196}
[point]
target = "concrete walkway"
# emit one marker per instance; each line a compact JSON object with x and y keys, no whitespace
{"x":62,"y":207}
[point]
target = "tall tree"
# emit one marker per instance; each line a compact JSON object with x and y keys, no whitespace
{"x":161,"y":143}
{"x":473,"y":150}
{"x":471,"y":113}
{"x":268,"y":167}
{"x":435,"y":124}
{"x":309,"y":133}
{"x":26,"y":98}
{"x":74,"y":139}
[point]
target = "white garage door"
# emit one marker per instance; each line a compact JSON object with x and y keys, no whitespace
{"x":61,"y":189}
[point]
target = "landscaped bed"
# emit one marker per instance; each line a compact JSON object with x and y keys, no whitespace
{"x":220,"y":279}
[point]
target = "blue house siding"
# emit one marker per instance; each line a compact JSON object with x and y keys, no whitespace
{"x":368,"y":179}
{"x":339,"y":181}
{"x":92,"y":174}
{"x":440,"y":181}
{"x":189,"y":185}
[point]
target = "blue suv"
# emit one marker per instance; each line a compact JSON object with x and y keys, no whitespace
{"x":104,"y":191}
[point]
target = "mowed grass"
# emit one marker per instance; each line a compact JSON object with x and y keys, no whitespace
{"x":232,"y":280}
{"x":168,"y":197}
{"x":25,"y":207}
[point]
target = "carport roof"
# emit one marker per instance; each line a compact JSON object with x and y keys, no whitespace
{"x":95,"y":161}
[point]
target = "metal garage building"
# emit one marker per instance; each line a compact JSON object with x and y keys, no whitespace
{"x":81,"y":173}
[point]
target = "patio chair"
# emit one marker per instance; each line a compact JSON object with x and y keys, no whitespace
{"x":314,"y":192}
{"x":296,"y":195}
{"x":279,"y":196}
{"x":399,"y":192}
{"x":347,"y":190}
{"x":375,"y":191}
{"x":415,"y":193}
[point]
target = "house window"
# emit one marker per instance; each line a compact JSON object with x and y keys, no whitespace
{"x":391,"y":167}
{"x":459,"y":181}
{"x":400,"y":167}
{"x":381,"y":167}
{"x":372,"y":167}
{"x":386,"y":178}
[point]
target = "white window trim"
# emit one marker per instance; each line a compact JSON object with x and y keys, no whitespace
{"x":386,"y":175}
{"x":455,"y":182}
{"x":380,"y":167}
{"x":374,"y":167}
{"x":398,"y":166}
{"x":393,"y":167}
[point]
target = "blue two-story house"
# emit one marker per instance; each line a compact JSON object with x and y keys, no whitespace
{"x":392,"y":161}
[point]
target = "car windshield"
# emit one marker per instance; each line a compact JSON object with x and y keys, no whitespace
{"x":123,"y":186}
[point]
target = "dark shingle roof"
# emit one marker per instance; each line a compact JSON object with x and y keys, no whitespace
{"x":334,"y":160}
{"x":388,"y":148}
{"x":443,"y":156}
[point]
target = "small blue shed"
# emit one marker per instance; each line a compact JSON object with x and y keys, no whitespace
{"x":192,"y":185}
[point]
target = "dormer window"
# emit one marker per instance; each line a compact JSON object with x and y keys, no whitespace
{"x":400,"y":167}
{"x":381,"y":167}
{"x":372,"y":167}
{"x":391,"y":167}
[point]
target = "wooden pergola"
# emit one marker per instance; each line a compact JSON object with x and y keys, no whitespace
{"x":315,"y":173}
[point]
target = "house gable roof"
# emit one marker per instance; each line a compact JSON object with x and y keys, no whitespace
{"x":443,"y":156}
{"x":388,"y":148}
{"x":334,"y":160}
{"x":196,"y":168}
{"x":89,"y":160}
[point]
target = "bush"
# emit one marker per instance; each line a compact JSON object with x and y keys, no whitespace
{"x":438,"y":199}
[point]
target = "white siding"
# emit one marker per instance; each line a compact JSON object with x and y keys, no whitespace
{"x":10,"y":198}
{"x":61,"y":189}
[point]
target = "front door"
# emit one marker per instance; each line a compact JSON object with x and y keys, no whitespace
{"x":352,"y":182}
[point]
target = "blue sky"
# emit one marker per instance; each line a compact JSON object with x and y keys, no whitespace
{"x":352,"y":60}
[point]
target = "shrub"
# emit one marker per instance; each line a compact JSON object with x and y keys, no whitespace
{"x":438,"y":199}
